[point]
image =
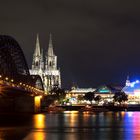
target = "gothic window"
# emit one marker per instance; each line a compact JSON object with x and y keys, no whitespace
{"x":50,"y":64}
{"x":53,"y":63}
{"x":36,"y":63}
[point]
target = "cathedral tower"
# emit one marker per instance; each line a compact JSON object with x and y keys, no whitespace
{"x":38,"y":62}
{"x":37,"y":55}
{"x":51,"y":58}
{"x":52,"y":74}
{"x":47,"y":70}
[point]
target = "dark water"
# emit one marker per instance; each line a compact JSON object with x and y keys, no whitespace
{"x":71,"y":126}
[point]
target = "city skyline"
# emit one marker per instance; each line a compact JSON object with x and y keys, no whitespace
{"x":69,"y":70}
{"x":75,"y":83}
{"x":96,"y":42}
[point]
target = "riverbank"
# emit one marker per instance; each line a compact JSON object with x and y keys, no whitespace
{"x":92,"y":108}
{"x":83,"y":108}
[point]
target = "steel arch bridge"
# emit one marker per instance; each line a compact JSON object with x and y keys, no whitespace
{"x":13,"y":63}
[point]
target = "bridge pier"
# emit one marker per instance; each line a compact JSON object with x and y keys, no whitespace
{"x":31,"y":104}
{"x":24,"y":104}
{"x":21,"y":104}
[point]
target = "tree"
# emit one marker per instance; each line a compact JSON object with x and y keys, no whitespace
{"x":48,"y":100}
{"x":59,"y":93}
{"x":98,"y":98}
{"x":80,"y":98}
{"x":120,"y":97}
{"x":89,"y":96}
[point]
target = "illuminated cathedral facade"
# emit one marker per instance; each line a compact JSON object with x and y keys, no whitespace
{"x":46,"y":66}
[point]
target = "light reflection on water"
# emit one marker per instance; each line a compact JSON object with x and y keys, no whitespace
{"x":71,"y":125}
{"x":132,"y":125}
{"x":39,"y":121}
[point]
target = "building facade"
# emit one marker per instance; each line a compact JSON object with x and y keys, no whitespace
{"x":46,"y":66}
{"x":132,"y":89}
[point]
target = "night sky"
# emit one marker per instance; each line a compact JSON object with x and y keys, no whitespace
{"x":96,"y":41}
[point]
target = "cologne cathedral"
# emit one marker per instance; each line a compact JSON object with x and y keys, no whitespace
{"x":46,"y":66}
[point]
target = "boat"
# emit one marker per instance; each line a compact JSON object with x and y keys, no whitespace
{"x":94,"y":109}
{"x":54,"y":109}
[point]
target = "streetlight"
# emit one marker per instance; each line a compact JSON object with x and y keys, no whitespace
{"x":6,"y":78}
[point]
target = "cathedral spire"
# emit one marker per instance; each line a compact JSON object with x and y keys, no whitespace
{"x":50,"y":49}
{"x":37,"y":48}
{"x":37,"y":55}
{"x":47,"y":69}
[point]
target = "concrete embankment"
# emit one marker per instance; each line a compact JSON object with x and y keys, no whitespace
{"x":134,"y":107}
{"x":95,"y":108}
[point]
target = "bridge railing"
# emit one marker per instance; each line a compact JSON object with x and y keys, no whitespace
{"x":4,"y":80}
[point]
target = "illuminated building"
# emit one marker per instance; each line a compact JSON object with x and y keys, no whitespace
{"x":79,"y":92}
{"x":132,"y":89}
{"x":76,"y":94}
{"x":46,"y":69}
{"x":82,"y":91}
{"x":107,"y":92}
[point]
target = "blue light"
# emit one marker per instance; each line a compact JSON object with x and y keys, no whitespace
{"x":104,"y":91}
{"x":132,"y":87}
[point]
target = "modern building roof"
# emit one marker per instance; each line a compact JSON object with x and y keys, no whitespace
{"x":105,"y":89}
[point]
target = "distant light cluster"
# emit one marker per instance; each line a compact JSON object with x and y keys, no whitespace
{"x":132,"y":88}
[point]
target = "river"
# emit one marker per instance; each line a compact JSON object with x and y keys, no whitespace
{"x":71,"y":125}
